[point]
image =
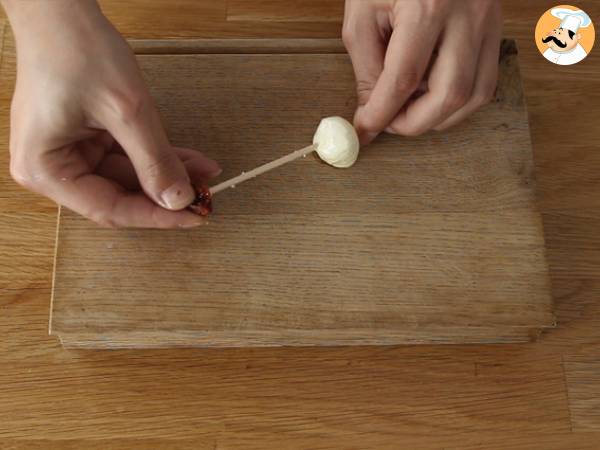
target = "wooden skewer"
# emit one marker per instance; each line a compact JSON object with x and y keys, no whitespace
{"x":244,"y":176}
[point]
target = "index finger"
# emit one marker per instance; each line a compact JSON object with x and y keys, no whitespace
{"x":108,"y":204}
{"x":366,"y":46}
{"x":406,"y":61}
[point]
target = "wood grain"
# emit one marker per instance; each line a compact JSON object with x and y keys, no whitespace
{"x":212,"y":391}
{"x":448,"y":249}
{"x":583,"y":378}
{"x":499,"y":441}
{"x":71,"y":393}
{"x":235,"y":46}
{"x":196,"y":19}
{"x":280,"y":11}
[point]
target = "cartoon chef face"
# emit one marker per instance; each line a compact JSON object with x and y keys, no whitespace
{"x":561,"y":40}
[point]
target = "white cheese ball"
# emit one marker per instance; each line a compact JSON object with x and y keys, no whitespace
{"x":336,"y":142}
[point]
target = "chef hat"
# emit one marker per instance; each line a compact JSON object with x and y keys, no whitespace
{"x":571,"y":19}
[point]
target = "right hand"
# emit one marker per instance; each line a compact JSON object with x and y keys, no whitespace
{"x":421,"y":64}
{"x":84,"y":129}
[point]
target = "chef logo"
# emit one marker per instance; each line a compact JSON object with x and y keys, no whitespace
{"x":564,"y":35}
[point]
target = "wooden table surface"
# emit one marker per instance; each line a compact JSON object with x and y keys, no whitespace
{"x":544,"y":395}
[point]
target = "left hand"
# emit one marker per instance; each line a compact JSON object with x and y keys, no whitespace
{"x":421,"y":64}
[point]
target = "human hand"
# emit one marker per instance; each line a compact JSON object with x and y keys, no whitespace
{"x":84,"y":129}
{"x":421,"y":64}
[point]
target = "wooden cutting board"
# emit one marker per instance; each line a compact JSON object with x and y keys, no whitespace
{"x":434,"y":239}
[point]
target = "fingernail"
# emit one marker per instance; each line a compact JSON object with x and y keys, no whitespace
{"x":366,"y":137}
{"x":178,"y":195}
{"x":215,"y":173}
{"x":212,"y":165}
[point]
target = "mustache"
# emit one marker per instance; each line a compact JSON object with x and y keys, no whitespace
{"x":555,"y":40}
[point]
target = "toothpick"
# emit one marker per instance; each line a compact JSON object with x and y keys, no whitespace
{"x":244,"y":176}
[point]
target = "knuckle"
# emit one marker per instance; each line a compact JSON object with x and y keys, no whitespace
{"x":456,"y":97}
{"x":128,"y":105}
{"x":485,"y":96}
{"x":103,"y":219}
{"x":160,"y":166}
{"x":481,"y":99}
{"x":348,"y":36}
{"x":429,"y":7}
{"x":108,"y":223}
{"x":21,"y":170}
{"x":363,"y":91}
{"x":370,"y":123}
{"x":407,"y":82}
{"x":20,"y":175}
{"x":103,"y":214}
{"x":432,"y":9}
{"x":490,"y":7}
{"x":393,"y":129}
{"x":405,"y":129}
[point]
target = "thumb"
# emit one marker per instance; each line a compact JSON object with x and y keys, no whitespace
{"x":138,"y":129}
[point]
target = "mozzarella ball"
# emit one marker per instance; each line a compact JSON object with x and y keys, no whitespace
{"x":336,"y":142}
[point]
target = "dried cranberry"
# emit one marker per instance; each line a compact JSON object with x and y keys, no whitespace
{"x":202,"y":204}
